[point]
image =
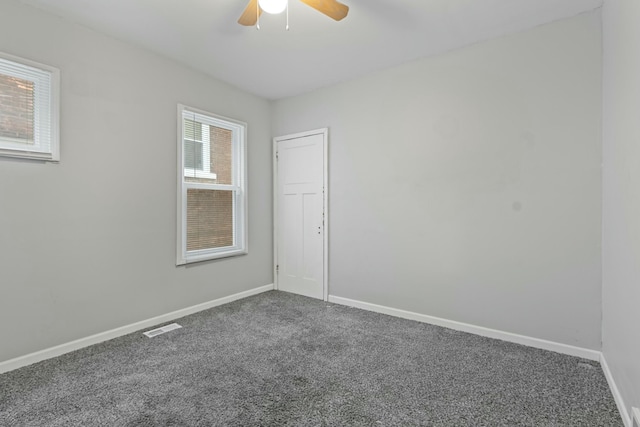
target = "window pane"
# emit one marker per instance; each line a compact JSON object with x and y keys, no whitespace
{"x":193,"y":155}
{"x":217,"y":161}
{"x":209,"y":219}
{"x":16,"y":109}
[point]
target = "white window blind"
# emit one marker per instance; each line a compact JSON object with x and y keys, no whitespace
{"x":28,"y":109}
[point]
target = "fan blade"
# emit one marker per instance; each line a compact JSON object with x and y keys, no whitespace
{"x":250,"y":15}
{"x":331,"y":8}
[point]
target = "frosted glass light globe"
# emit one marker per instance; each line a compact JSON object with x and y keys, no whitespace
{"x":273,"y":6}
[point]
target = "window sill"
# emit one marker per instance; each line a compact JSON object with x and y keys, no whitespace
{"x":208,"y":256}
{"x":29,"y":155}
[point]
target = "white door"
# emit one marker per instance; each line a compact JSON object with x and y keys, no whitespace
{"x":300,"y":208}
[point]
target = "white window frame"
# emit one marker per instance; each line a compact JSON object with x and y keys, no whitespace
{"x":238,"y":186}
{"x":46,"y":119}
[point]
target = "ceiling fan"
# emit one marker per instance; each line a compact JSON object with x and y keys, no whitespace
{"x":332,"y":8}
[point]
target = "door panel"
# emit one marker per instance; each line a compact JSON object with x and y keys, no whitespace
{"x":300,"y":198}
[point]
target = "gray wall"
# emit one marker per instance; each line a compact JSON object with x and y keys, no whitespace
{"x":88,"y":245}
{"x":468,"y":186}
{"x":465,"y":186}
{"x":621,"y":203}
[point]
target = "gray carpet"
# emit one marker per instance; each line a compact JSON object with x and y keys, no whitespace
{"x":280,"y":359}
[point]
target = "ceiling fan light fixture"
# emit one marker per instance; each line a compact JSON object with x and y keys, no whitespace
{"x":273,"y":6}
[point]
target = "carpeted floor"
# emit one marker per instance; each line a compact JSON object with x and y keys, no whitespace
{"x":280,"y":359}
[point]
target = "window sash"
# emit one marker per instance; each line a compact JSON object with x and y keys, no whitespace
{"x":238,"y":232}
{"x":239,"y":241}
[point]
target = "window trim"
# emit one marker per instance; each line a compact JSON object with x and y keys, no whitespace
{"x":239,"y":187}
{"x":53,"y":154}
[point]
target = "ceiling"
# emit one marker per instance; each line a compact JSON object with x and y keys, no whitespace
{"x":274,"y":63}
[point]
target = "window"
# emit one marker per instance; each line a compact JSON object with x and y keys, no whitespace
{"x":211,"y":186}
{"x":28,"y":109}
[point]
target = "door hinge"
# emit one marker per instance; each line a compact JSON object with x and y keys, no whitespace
{"x":277,"y":269}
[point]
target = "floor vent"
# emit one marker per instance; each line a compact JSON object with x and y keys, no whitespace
{"x":635,"y":414}
{"x":159,"y":331}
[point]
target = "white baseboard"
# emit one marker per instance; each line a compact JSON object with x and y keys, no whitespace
{"x":477,"y":330}
{"x":624,"y":413}
{"x":58,"y":350}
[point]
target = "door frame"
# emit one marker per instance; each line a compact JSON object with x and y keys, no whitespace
{"x":325,"y":200}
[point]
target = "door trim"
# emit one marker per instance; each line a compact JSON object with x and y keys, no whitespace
{"x":325,"y":200}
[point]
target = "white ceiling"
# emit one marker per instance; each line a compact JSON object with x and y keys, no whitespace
{"x":316,"y":51}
